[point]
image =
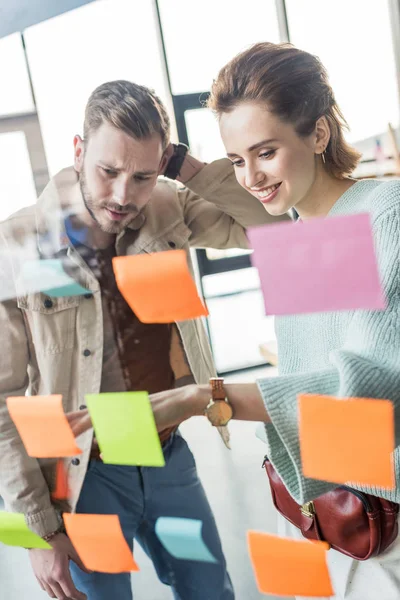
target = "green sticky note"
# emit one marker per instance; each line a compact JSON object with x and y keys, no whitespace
{"x":15,"y":532}
{"x":125,"y":429}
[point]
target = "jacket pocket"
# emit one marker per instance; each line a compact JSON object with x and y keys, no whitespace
{"x":51,"y":321}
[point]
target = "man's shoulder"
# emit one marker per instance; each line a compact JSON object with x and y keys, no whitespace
{"x":19,"y":225}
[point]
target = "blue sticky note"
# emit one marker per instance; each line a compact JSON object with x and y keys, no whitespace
{"x":182,"y":538}
{"x":48,"y":275}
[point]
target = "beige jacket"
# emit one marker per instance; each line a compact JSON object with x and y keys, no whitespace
{"x":43,"y":343}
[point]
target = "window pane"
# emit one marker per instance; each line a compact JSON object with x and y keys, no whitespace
{"x":15,"y":96}
{"x":354,"y":41}
{"x":17,"y":187}
{"x":203,"y":133}
{"x":73,"y":53}
{"x":200,"y":37}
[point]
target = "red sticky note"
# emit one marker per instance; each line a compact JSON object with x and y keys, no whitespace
{"x":61,"y":490}
{"x":43,"y":426}
{"x":158,"y":287}
{"x":99,"y":541}
{"x":287,"y":567}
{"x":347,"y":439}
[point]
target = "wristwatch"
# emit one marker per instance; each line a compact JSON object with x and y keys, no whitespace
{"x":175,"y":163}
{"x":219,"y":412}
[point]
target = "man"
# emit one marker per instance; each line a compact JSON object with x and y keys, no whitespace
{"x":112,"y":203}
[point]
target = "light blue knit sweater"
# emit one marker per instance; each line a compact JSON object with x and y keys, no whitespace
{"x":344,"y":354}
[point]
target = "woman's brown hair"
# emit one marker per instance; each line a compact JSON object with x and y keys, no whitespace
{"x":294,"y":86}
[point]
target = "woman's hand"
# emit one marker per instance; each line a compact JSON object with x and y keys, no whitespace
{"x":172,"y":407}
{"x":79,"y":421}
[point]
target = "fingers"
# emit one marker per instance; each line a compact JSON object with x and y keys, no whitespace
{"x":46,"y":587}
{"x":72,"y":553}
{"x":79,"y":421}
{"x":68,"y":589}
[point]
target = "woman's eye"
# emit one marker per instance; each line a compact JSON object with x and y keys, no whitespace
{"x":268,"y":154}
{"x":237,"y":163}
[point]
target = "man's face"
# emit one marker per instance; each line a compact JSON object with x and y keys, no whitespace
{"x":117,"y":175}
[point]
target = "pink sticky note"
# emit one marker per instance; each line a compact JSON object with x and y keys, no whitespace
{"x":320,"y":265}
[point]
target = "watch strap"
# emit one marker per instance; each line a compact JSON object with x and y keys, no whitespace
{"x":175,"y":163}
{"x":217,"y":388}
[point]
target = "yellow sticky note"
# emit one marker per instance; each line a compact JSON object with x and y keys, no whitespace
{"x":15,"y":532}
{"x":125,"y":428}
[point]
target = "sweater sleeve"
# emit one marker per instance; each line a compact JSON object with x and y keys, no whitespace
{"x":367,"y":365}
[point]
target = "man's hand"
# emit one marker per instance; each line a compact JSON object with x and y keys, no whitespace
{"x":51,"y":568}
{"x":79,"y":421}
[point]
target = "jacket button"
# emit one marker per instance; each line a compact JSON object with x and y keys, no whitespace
{"x":88,"y":296}
{"x":171,"y":244}
{"x":86,"y":352}
{"x":82,"y":407}
{"x":76,"y":462}
{"x":48,"y":303}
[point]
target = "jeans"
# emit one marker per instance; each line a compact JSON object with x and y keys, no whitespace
{"x":139,"y":495}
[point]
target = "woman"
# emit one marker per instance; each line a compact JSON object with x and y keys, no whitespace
{"x":283,"y":132}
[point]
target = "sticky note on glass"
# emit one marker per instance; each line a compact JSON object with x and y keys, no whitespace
{"x":289,"y":567}
{"x":100,"y":543}
{"x":43,"y":426}
{"x":61,"y":490}
{"x":158,"y":287}
{"x":347,"y":440}
{"x":319,"y":265}
{"x":15,"y":532}
{"x":48,"y":275}
{"x":182,"y":538}
{"x":125,"y":428}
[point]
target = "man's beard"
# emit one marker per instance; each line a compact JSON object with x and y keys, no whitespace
{"x":112,"y":228}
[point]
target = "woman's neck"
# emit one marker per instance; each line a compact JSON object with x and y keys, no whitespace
{"x":325,"y":192}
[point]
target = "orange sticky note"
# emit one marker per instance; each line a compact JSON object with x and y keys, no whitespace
{"x":287,"y":567}
{"x":158,"y":287}
{"x":99,"y":541}
{"x":347,"y":439}
{"x":43,"y":426}
{"x":61,"y":490}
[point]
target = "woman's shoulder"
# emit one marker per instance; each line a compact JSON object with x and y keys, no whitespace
{"x":381,"y":197}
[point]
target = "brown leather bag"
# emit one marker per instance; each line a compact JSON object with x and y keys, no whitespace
{"x":352,"y":522}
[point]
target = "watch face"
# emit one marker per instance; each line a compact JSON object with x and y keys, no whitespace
{"x":219,"y":413}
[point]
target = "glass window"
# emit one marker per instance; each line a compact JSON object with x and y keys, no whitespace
{"x":354,"y":41}
{"x":73,"y":53}
{"x":16,"y":95}
{"x":203,"y":133}
{"x":200,"y":37}
{"x":17,"y":187}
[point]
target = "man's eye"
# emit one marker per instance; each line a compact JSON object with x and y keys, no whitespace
{"x":109,"y":172}
{"x":140,"y":178}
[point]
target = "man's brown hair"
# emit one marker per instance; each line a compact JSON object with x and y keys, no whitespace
{"x":132,"y":108}
{"x":294,"y":86}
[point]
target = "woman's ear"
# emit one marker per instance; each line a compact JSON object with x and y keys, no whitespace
{"x":322,"y":135}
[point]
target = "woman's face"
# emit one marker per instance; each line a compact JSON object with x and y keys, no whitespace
{"x":271,"y":161}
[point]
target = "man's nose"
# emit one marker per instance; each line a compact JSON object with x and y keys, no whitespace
{"x":121,"y":192}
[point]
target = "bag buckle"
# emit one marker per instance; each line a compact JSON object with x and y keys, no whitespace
{"x":308,"y":509}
